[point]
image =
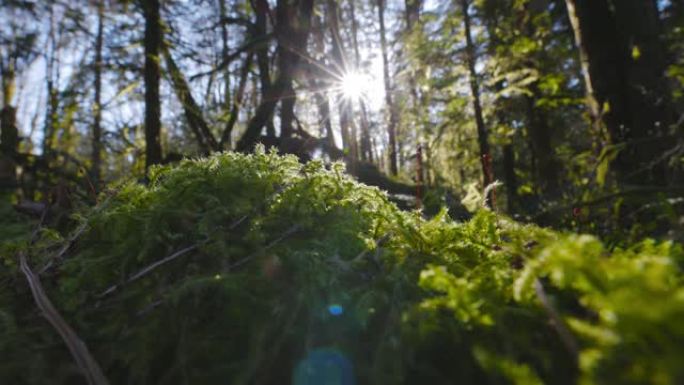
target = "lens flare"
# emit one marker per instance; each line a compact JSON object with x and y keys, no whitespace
{"x":335,"y":310}
{"x":324,"y":366}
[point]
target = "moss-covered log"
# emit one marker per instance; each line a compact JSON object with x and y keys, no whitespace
{"x":256,"y":269}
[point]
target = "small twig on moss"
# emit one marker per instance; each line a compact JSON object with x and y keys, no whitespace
{"x":67,"y":245}
{"x":244,"y":260}
{"x":556,"y":320}
{"x":79,"y":351}
{"x":148,"y":269}
{"x":379,"y":242}
{"x":72,"y":239}
{"x":163,"y":261}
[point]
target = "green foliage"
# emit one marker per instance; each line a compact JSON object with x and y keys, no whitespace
{"x":271,"y":244}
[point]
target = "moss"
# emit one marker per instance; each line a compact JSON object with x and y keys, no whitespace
{"x":242,"y":268}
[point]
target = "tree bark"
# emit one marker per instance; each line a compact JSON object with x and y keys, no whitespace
{"x":623,"y":64}
{"x":365,"y":145}
{"x":96,"y":156}
{"x":539,"y":131}
{"x":152,"y":75}
{"x":482,"y":134}
{"x":262,"y":10}
{"x":391,"y":128}
{"x":349,"y":137}
{"x":237,"y":102}
{"x":193,"y":112}
{"x":320,"y":92}
{"x":50,"y":125}
{"x":9,"y":146}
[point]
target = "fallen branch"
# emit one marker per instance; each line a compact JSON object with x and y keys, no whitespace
{"x":79,"y":351}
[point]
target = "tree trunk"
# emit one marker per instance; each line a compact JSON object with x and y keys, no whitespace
{"x":510,"y":180}
{"x":292,"y":32}
{"x":320,"y":93}
{"x":412,"y":12}
{"x":261,"y":10}
{"x":482,"y":134}
{"x":292,"y":29}
{"x":152,"y":42}
{"x":237,"y":102}
{"x":623,"y":63}
{"x":391,"y":128}
{"x":50,"y":127}
{"x":193,"y":112}
{"x":349,"y":142}
{"x":9,"y":145}
{"x":96,"y":156}
{"x":539,"y":131}
{"x":223,"y":13}
{"x":365,"y":145}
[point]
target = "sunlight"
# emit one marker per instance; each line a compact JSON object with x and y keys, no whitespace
{"x":355,"y":85}
{"x":363,"y":86}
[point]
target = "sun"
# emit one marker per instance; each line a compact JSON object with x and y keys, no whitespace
{"x":355,"y":85}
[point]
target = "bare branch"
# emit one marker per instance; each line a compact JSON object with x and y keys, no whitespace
{"x":79,"y":351}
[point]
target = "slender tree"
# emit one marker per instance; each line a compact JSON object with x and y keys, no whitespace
{"x":152,"y":74}
{"x":347,"y":128}
{"x":96,"y":156}
{"x":482,"y":134}
{"x":392,"y":126}
{"x":364,"y":143}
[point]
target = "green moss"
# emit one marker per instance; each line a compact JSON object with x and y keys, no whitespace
{"x":270,"y":245}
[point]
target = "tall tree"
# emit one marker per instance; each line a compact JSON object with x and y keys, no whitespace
{"x":317,"y":83}
{"x":51,"y":69}
{"x":293,"y":19}
{"x":365,"y":142}
{"x":392,"y":125}
{"x":193,"y":113}
{"x":340,"y":64}
{"x":96,"y":155}
{"x":152,"y":74}
{"x":261,"y":11}
{"x":623,"y":64}
{"x":9,"y":134}
{"x":482,"y":134}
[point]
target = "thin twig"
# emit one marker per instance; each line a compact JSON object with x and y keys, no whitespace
{"x":163,"y":261}
{"x":148,"y":269}
{"x":556,"y":320}
{"x":79,"y":351}
{"x":67,"y":245}
{"x":244,"y":260}
{"x":72,"y":239}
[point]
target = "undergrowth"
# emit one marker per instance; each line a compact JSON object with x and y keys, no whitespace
{"x":243,"y":269}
